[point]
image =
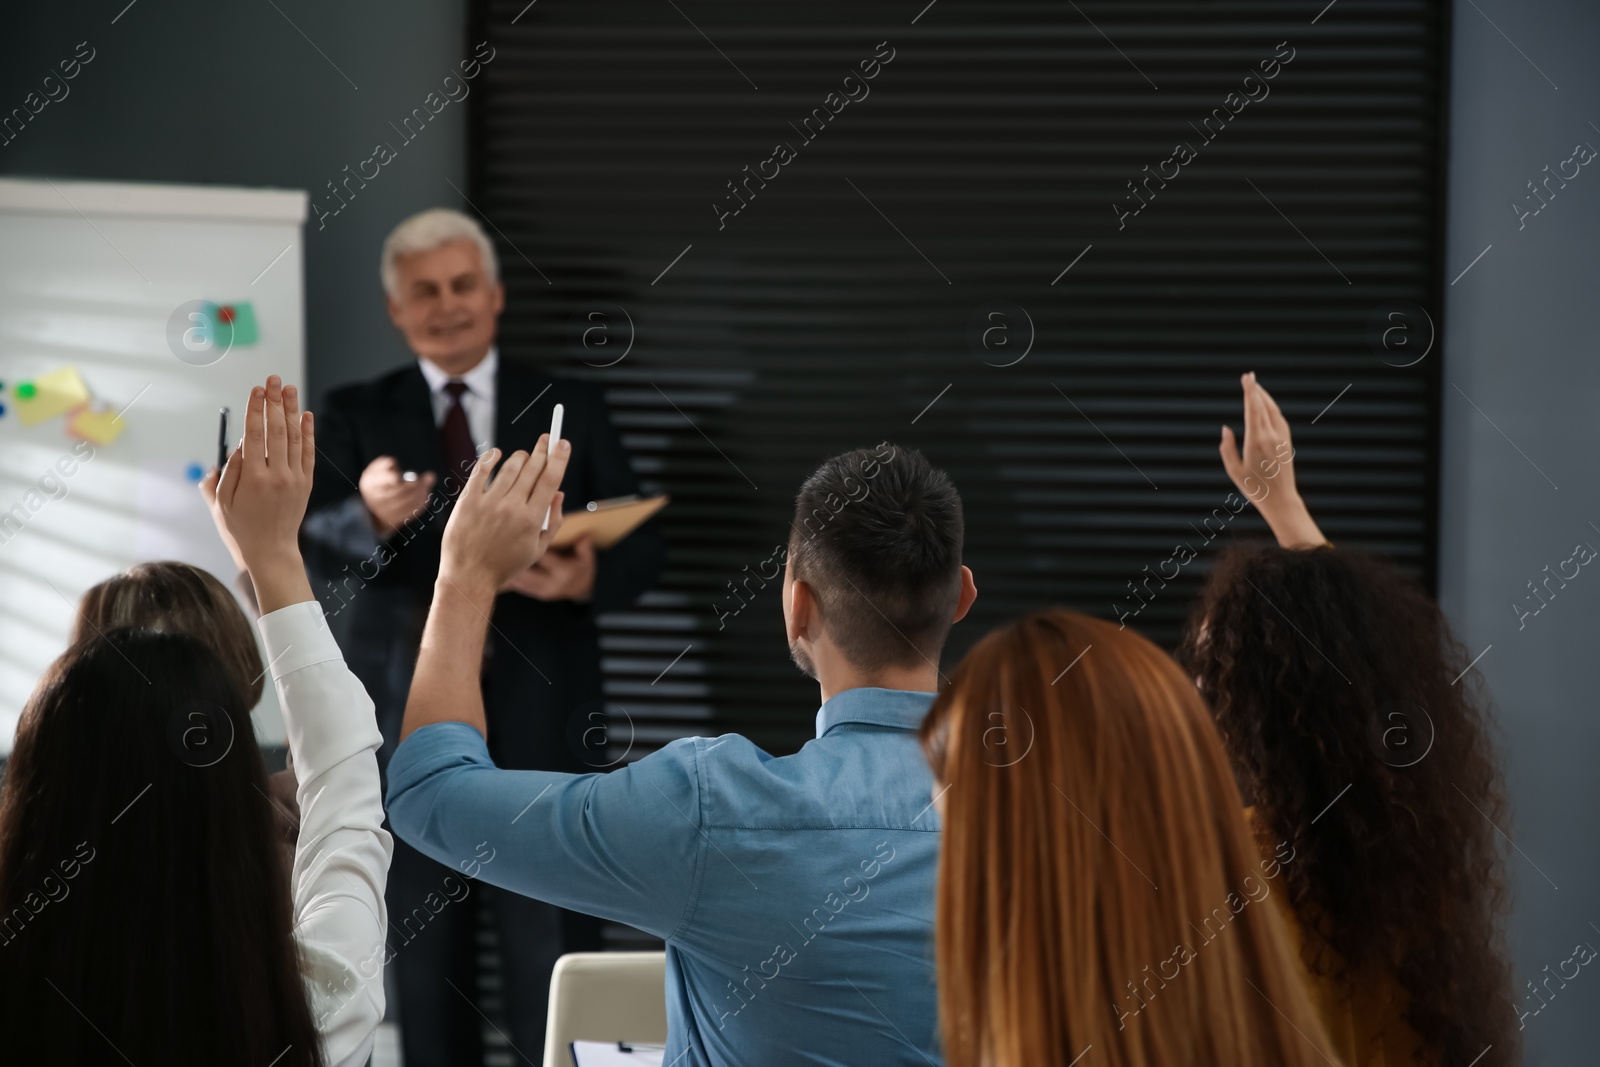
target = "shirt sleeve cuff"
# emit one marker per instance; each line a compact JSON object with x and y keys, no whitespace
{"x":296,"y":637}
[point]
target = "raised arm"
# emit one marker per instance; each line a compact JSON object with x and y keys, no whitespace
{"x":493,"y":534}
{"x":627,"y":845}
{"x":342,"y":853}
{"x":1264,"y":470}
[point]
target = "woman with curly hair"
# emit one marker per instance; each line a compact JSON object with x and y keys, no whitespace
{"x":1357,"y":734}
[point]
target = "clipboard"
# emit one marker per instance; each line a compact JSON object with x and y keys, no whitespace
{"x":606,"y":521}
{"x":615,"y":1054}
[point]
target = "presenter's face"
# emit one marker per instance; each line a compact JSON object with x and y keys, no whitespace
{"x":446,"y":305}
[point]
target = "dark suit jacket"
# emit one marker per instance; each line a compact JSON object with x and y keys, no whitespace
{"x":542,"y":667}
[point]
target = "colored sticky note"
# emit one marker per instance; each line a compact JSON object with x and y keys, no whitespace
{"x":53,"y":394}
{"x":102,"y":427}
{"x":234,"y":324}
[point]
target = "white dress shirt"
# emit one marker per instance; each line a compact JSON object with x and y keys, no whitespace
{"x":478,"y":400}
{"x":341,"y":860}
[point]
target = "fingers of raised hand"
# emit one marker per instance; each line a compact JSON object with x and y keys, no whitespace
{"x":555,"y":467}
{"x":1263,"y":411}
{"x":1232,"y":462}
{"x":528,"y":479}
{"x":228,"y":482}
{"x":308,"y":443}
{"x":293,"y":428}
{"x":556,"y":519}
{"x":1279,"y":423}
{"x":277,"y":432}
{"x":253,"y":448}
{"x":291,"y":412}
{"x":478,"y":480}
{"x":1252,"y":412}
{"x":506,"y":478}
{"x":209,"y":484}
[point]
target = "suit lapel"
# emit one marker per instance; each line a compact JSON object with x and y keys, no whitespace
{"x":412,"y":429}
{"x":516,"y":424}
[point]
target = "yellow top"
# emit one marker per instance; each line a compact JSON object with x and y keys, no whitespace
{"x":1364,"y":1018}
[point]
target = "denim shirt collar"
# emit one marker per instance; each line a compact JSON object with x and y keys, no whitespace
{"x":901,"y":709}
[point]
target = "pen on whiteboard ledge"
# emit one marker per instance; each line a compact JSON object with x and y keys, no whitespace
{"x":555,"y":438}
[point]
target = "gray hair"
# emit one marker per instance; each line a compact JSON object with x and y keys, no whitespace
{"x":428,"y":230}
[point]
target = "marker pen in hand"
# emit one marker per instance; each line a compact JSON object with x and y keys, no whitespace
{"x":555,"y":438}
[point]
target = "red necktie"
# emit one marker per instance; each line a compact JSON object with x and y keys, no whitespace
{"x":455,"y":435}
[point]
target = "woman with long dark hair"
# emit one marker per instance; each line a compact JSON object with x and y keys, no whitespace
{"x":145,"y":915}
{"x":1358,"y":733}
{"x":1099,"y":894}
{"x":175,"y":597}
{"x":180,"y":598}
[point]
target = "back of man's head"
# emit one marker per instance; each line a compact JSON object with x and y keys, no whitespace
{"x":877,"y":536}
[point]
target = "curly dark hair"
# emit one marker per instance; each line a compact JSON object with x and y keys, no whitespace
{"x":1345,"y":701}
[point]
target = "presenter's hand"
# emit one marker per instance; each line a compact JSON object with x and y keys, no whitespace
{"x":263,"y":493}
{"x":563,"y":574}
{"x":493,"y":533}
{"x":390,"y":499}
{"x":208,"y":489}
{"x":1264,"y":469}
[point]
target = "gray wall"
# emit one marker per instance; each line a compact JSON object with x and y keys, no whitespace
{"x":196,"y":91}
{"x":1520,"y":339}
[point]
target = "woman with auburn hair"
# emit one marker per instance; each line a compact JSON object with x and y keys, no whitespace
{"x":1358,"y":733}
{"x":1098,"y":884}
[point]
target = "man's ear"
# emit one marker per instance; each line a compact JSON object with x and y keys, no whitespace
{"x":969,"y":593}
{"x":394,"y":312}
{"x":799,"y":609}
{"x":498,"y":299}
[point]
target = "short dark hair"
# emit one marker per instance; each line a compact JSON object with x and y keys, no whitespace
{"x":877,"y":535}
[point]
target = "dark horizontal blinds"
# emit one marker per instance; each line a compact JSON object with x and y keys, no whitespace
{"x":845,"y":303}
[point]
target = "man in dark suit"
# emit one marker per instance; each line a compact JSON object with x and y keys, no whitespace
{"x":394,"y":453}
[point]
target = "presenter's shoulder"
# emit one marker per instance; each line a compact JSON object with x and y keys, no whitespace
{"x":573,"y":392}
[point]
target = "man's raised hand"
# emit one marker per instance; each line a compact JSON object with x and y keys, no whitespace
{"x":494,"y":529}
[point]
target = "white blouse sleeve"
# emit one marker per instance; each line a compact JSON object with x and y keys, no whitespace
{"x":341,"y":860}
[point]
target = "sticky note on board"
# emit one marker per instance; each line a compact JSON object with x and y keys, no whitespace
{"x":235,"y":324}
{"x":53,"y":394}
{"x":101,"y":427}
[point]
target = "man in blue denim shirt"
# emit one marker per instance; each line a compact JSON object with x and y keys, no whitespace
{"x":795,"y":895}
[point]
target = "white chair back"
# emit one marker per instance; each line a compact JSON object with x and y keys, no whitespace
{"x":605,"y":996}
